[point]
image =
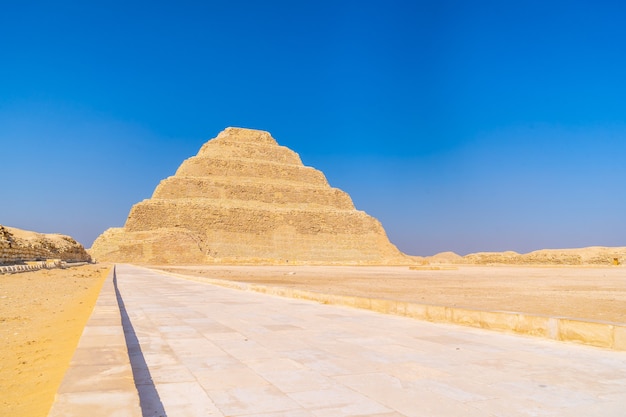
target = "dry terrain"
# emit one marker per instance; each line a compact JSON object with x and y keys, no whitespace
{"x":42,"y":315}
{"x":587,"y":292}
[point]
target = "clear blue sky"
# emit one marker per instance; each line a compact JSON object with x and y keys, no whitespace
{"x":461,"y":125}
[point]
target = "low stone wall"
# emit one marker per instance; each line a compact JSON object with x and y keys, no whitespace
{"x":594,"y":333}
{"x":34,"y":266}
{"x":22,"y":254}
{"x":29,"y":266}
{"x":10,"y":255}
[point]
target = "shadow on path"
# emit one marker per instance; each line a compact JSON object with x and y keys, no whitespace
{"x":151,"y":405}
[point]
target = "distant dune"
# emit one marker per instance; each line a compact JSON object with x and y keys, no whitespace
{"x":244,"y":199}
{"x":594,"y":255}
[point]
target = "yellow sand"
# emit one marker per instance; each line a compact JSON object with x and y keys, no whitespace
{"x":42,"y":316}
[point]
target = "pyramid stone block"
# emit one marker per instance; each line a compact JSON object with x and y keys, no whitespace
{"x":245,"y":199}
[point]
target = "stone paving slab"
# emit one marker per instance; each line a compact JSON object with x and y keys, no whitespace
{"x":202,"y":350}
{"x":591,"y":332}
{"x":99,"y":381}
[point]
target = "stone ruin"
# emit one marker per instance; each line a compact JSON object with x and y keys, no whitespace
{"x":19,"y":246}
{"x":244,"y":199}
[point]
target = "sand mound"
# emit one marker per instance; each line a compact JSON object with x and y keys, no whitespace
{"x":18,"y":246}
{"x":595,"y":255}
{"x":445,"y":258}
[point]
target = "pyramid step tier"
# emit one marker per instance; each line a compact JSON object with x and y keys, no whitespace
{"x":242,"y":136}
{"x":225,"y":149}
{"x":203,"y":215}
{"x":208,"y":167}
{"x":281,"y":246}
{"x":262,"y":191}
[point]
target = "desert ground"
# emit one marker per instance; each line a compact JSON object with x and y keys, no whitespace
{"x":586,"y":292}
{"x":42,"y":315}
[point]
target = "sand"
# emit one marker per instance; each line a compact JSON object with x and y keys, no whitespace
{"x":42,"y":315}
{"x":589,"y":293}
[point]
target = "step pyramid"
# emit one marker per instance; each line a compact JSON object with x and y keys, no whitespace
{"x":244,"y":199}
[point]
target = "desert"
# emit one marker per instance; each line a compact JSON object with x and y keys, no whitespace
{"x":43,"y":313}
{"x":245,"y":210}
{"x":313,"y":209}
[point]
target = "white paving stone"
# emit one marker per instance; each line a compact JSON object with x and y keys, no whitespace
{"x":221,"y":352}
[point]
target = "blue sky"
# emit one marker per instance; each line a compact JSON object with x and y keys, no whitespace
{"x":461,"y":125}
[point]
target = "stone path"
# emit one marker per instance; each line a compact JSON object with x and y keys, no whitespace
{"x":201,"y":350}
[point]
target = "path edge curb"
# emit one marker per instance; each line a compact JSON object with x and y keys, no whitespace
{"x":608,"y":335}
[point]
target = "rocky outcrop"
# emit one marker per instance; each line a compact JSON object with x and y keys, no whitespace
{"x":245,"y":199}
{"x":18,"y":246}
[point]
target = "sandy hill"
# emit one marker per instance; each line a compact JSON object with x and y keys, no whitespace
{"x":245,"y":199}
{"x":18,"y":246}
{"x":444,"y":258}
{"x":594,"y":255}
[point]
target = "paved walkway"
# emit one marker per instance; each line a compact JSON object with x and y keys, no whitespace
{"x":201,"y":350}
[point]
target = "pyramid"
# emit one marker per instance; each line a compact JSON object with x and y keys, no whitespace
{"x":244,"y":199}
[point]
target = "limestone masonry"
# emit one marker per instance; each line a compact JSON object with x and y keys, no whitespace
{"x":245,"y":199}
{"x":18,"y":246}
